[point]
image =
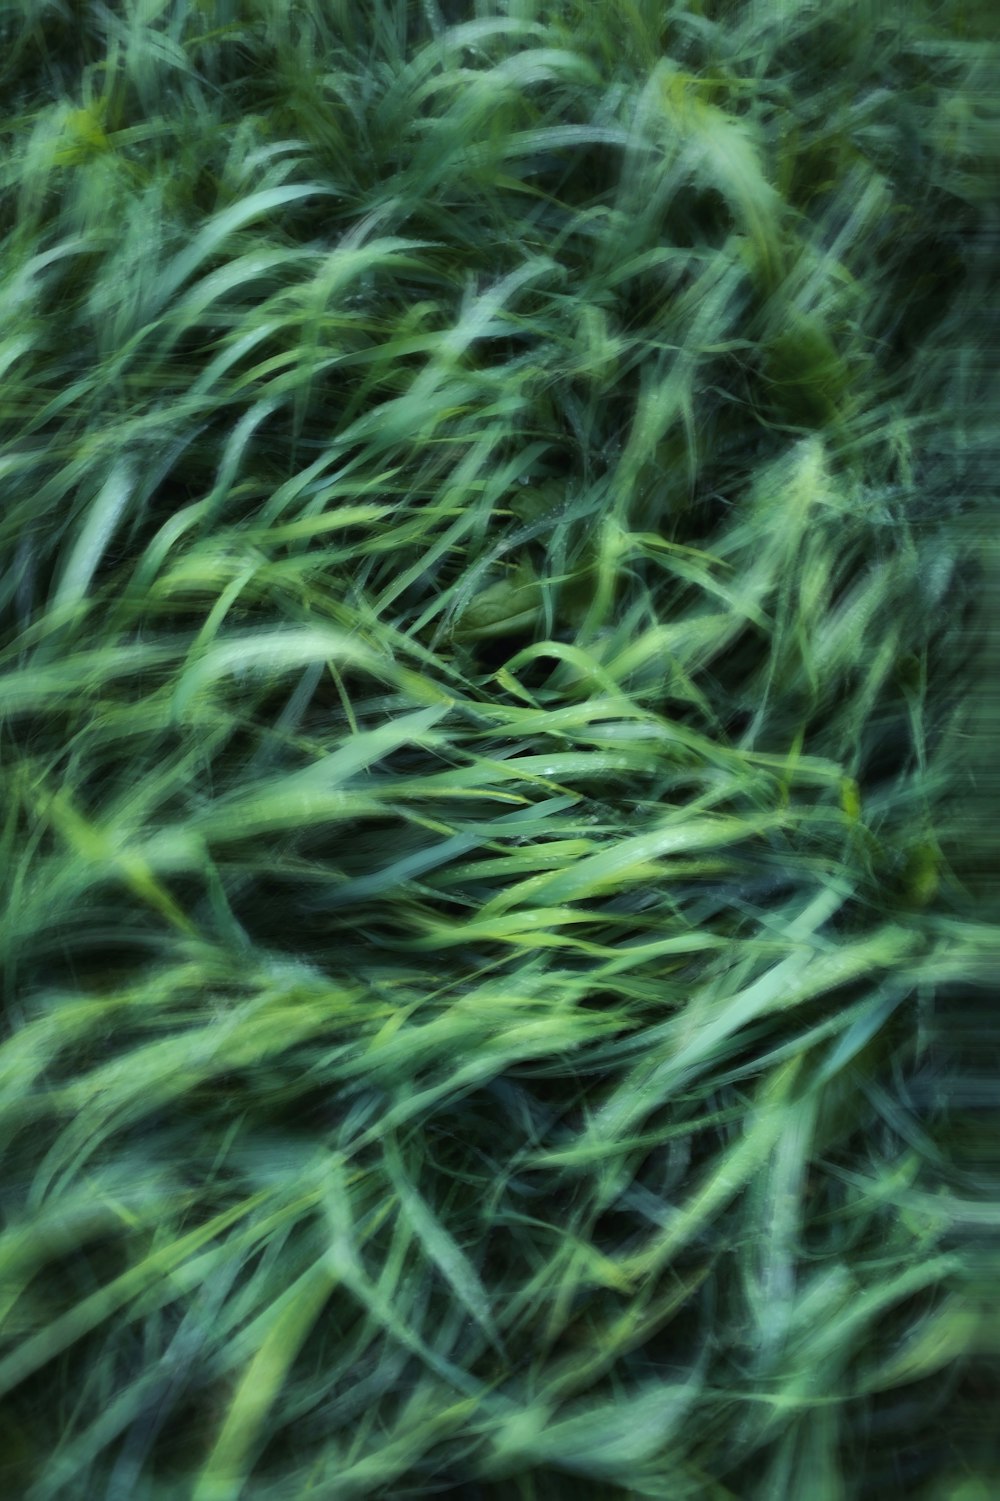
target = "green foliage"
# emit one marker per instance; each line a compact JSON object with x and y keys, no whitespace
{"x":496,"y":622}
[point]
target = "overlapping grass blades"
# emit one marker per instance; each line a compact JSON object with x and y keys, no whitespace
{"x":495,"y":729}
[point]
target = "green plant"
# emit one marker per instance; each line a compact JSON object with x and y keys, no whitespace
{"x":493,"y":987}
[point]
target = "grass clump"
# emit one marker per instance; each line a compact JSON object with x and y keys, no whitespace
{"x":495,"y":725}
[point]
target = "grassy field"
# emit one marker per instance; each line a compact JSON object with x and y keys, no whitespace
{"x":498,"y":644}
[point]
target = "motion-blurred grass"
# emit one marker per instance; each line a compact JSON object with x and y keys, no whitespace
{"x":498,"y":614}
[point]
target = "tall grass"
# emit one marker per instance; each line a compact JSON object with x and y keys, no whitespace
{"x":496,"y":730}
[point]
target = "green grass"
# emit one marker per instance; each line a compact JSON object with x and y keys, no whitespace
{"x":497,"y":701}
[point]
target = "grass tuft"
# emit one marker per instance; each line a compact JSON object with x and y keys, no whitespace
{"x":497,"y":642}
